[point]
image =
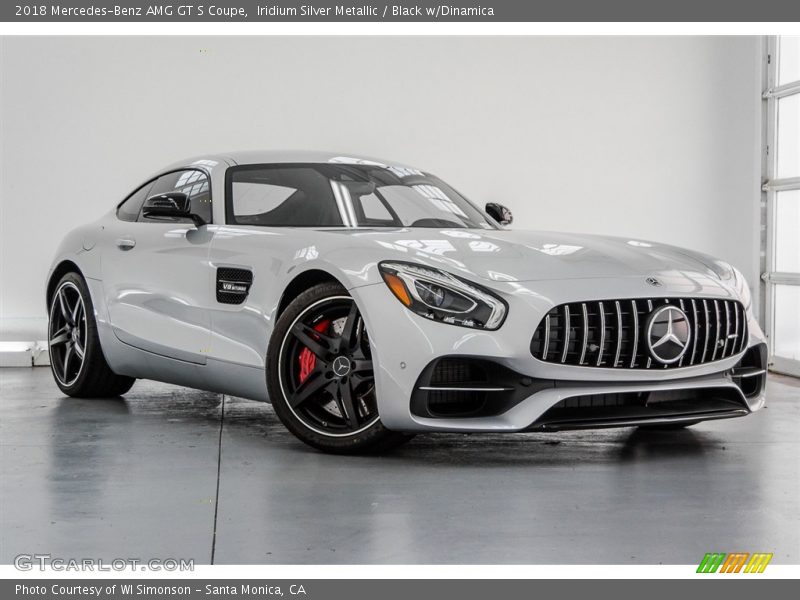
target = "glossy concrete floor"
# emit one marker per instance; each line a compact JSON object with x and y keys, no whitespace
{"x":151,"y":474}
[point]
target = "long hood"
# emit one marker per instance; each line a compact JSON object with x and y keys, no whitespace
{"x":533,"y":255}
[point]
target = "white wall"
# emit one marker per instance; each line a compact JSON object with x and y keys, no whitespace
{"x":655,"y":138}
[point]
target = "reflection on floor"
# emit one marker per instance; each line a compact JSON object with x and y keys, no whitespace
{"x":137,"y":477}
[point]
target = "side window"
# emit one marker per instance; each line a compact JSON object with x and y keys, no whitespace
{"x":130,"y":207}
{"x":191,"y":182}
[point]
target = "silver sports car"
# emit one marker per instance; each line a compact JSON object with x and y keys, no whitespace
{"x":368,"y":300}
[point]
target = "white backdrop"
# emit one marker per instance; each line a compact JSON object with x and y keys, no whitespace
{"x":656,"y":138}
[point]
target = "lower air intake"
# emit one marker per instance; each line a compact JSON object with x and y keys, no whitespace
{"x":465,"y":386}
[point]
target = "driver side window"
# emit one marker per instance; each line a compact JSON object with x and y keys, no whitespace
{"x":191,"y":182}
{"x":132,"y":205}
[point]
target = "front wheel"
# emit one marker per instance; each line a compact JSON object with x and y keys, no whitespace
{"x":320,"y":377}
{"x":76,"y":358}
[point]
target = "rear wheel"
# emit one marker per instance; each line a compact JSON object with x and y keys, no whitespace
{"x":320,"y":375}
{"x":76,"y":358}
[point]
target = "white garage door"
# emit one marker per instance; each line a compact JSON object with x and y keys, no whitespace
{"x":783,"y":203}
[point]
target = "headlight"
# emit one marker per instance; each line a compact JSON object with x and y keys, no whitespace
{"x":734,"y":277}
{"x":440,"y":296}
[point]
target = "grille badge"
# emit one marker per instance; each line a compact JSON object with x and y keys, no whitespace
{"x":653,"y":281}
{"x":668,"y":334}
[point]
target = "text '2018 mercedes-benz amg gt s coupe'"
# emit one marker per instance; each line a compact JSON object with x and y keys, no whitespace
{"x":368,"y":301}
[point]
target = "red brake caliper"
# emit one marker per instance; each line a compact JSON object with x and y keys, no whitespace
{"x":307,"y":358}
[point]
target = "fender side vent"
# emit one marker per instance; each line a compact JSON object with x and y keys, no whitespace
{"x":233,"y":285}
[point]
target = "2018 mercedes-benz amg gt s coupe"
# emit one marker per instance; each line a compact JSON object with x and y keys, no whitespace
{"x":368,"y":301}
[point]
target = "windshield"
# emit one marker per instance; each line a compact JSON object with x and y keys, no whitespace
{"x":345,"y":195}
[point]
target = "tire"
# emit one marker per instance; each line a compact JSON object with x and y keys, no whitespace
{"x":76,"y":358}
{"x":320,"y":378}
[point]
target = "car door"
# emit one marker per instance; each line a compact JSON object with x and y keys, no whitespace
{"x":156,"y":274}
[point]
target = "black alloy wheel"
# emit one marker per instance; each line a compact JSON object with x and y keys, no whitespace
{"x":320,"y":374}
{"x":76,"y":358}
{"x":326,"y":371}
{"x":67,"y":333}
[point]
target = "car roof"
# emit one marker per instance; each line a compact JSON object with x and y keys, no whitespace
{"x":254,"y":157}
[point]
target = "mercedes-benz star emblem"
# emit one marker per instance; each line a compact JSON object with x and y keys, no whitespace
{"x":653,"y":281}
{"x":668,"y":334}
{"x":341,"y":366}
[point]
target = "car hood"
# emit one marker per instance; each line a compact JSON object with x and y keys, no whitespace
{"x":507,"y":255}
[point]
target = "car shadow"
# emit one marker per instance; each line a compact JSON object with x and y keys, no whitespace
{"x":478,"y":450}
{"x":257,"y":423}
{"x":568,"y":449}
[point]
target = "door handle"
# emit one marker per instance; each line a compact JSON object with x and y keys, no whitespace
{"x":126,"y":243}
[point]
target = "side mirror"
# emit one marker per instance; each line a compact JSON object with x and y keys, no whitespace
{"x":499,"y":213}
{"x":360,"y":188}
{"x":171,"y":204}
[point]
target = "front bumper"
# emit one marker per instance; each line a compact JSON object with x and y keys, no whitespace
{"x":405,"y":346}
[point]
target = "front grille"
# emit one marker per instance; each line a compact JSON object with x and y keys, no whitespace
{"x":611,"y":333}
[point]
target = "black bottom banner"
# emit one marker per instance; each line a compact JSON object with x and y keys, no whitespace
{"x":380,"y":589}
